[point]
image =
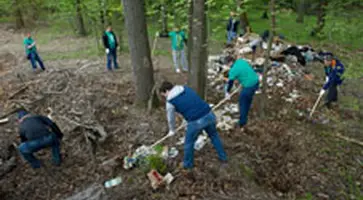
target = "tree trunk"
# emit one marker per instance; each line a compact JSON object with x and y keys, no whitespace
{"x":142,"y":66}
{"x":164,"y":19}
{"x":243,"y":15}
{"x":80,"y":21}
{"x":190,"y":41}
{"x":320,"y":23}
{"x":300,"y":11}
{"x":266,"y":66}
{"x":19,"y":21}
{"x":198,"y":50}
{"x":102,"y":13}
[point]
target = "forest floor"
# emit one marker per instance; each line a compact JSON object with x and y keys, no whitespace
{"x":285,"y":156}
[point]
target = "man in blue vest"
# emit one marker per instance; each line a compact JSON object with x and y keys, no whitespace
{"x":110,"y":43}
{"x":334,"y":70}
{"x":198,"y":115}
{"x":31,"y":52}
{"x":36,"y":133}
{"x":232,"y":28}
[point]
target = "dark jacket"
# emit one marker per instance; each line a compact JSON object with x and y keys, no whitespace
{"x":335,"y":74}
{"x":34,"y":127}
{"x":106,"y":44}
{"x":232,"y":26}
{"x":295,"y":52}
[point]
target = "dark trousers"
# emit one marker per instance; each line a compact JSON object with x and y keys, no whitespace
{"x":245,"y":101}
{"x":34,"y":58}
{"x":29,"y":147}
{"x":112,"y":57}
{"x":332,"y":95}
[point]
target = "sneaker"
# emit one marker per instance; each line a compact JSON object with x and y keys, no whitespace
{"x":177,"y":70}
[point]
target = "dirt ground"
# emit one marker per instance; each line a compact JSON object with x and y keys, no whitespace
{"x":285,"y":156}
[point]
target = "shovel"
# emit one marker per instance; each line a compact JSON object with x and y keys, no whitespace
{"x":316,"y":105}
{"x":184,"y":124}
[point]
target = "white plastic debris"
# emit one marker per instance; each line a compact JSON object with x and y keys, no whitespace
{"x":113,"y":182}
{"x":201,"y":141}
{"x":260,"y":61}
{"x":245,"y":50}
{"x":3,"y":121}
{"x":280,"y":84}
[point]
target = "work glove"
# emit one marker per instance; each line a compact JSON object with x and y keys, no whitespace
{"x":322,"y":91}
{"x":227,"y":96}
{"x":107,"y":51}
{"x":326,"y":79}
{"x":171,"y":133}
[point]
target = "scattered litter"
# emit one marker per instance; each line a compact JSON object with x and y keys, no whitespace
{"x":155,"y":178}
{"x":165,"y":152}
{"x":201,"y":141}
{"x":181,"y":141}
{"x":168,"y":178}
{"x":280,"y":84}
{"x":113,"y":182}
{"x":173,"y":152}
{"x":129,"y":162}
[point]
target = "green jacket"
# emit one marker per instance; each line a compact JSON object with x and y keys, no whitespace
{"x":244,"y":73}
{"x":27,"y":42}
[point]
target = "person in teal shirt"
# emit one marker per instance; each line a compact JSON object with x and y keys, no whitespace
{"x":242,"y":71}
{"x":31,"y":52}
{"x":178,"y":39}
{"x":110,"y":43}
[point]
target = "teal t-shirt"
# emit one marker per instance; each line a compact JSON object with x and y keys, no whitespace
{"x":244,"y":73}
{"x":111,"y":40}
{"x":177,"y":40}
{"x":27,"y":42}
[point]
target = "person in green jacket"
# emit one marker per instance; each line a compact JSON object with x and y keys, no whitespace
{"x":242,"y":71}
{"x":178,"y":39}
{"x":31,"y":52}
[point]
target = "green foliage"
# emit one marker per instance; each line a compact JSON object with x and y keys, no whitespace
{"x":154,"y":162}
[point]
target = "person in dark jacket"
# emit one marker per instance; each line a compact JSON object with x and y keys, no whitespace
{"x":111,"y":44}
{"x":334,"y":70}
{"x":38,"y":132}
{"x":232,"y":28}
{"x":199,"y":117}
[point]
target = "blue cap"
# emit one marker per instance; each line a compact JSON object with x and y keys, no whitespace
{"x":22,"y":113}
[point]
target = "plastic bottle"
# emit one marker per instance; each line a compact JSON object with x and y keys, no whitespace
{"x":113,"y":182}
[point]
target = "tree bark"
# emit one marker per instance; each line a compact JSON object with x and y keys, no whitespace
{"x":243,"y":15}
{"x":19,"y":21}
{"x":300,"y":11}
{"x":266,"y":66}
{"x":198,"y":50}
{"x":80,"y":21}
{"x":164,"y":19}
{"x":320,"y":23}
{"x":135,"y":21}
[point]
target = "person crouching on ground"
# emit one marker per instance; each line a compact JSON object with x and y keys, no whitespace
{"x":38,"y":132}
{"x":334,"y":70}
{"x":198,"y":115}
{"x":31,"y":52}
{"x":249,"y":80}
{"x":110,"y":43}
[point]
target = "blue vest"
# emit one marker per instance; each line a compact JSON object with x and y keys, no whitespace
{"x":190,"y":105}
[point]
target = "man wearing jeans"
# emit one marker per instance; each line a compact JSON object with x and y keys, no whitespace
{"x":247,"y":77}
{"x":110,"y":43}
{"x":36,"y":133}
{"x":178,"y":39}
{"x":232,"y":28}
{"x":31,"y":52}
{"x":198,"y":115}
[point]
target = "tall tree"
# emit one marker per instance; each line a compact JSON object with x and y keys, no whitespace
{"x":134,"y":11}
{"x":243,"y":14}
{"x":198,"y":49}
{"x":300,"y":11}
{"x":320,"y":18}
{"x":164,"y":17}
{"x":267,"y":58}
{"x":19,"y":21}
{"x":79,"y":19}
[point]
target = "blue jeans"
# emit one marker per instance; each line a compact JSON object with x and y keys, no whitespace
{"x":179,"y":58}
{"x":207,"y":123}
{"x":245,"y":101}
{"x":231,"y":36}
{"x":29,"y":147}
{"x":112,"y":57}
{"x":34,"y":57}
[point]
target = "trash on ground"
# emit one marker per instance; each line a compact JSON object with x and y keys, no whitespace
{"x":3,"y":121}
{"x":113,"y":182}
{"x":173,"y":152}
{"x":155,"y":178}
